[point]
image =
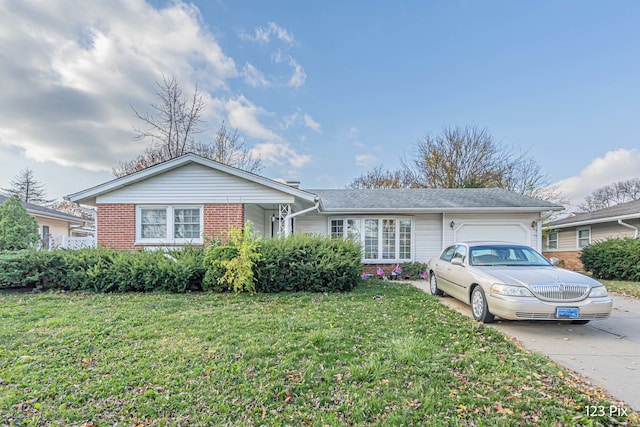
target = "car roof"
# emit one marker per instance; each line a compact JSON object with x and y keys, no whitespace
{"x":490,"y":243}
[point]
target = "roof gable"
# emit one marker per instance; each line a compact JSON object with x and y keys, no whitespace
{"x":90,"y":195}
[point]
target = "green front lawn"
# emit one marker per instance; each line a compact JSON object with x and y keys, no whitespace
{"x":384,"y":354}
{"x":622,"y":287}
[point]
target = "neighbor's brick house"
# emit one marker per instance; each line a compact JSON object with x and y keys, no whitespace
{"x":566,"y":237}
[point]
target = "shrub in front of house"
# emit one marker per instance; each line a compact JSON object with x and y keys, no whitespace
{"x":104,"y":270}
{"x":308,"y":263}
{"x":613,"y":259}
{"x":413,"y":270}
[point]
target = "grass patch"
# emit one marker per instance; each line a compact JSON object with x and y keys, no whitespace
{"x":79,"y":359}
{"x":623,"y":287}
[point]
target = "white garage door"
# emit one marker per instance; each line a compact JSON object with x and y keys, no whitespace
{"x":495,"y":232}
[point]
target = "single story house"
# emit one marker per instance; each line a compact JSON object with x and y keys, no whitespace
{"x":566,"y":237}
{"x":189,"y":199}
{"x":58,"y":228}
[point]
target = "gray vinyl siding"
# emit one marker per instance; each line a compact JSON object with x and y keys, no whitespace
{"x":612,"y":229}
{"x":427,"y":236}
{"x":194,"y":184}
{"x":312,"y":223}
{"x":568,"y":237}
{"x":255,"y":214}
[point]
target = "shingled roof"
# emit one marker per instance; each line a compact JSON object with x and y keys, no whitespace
{"x":627,"y":210}
{"x":429,"y":200}
{"x":34,"y":209}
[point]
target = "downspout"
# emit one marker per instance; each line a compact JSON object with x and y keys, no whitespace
{"x":287,"y":224}
{"x":635,"y":229}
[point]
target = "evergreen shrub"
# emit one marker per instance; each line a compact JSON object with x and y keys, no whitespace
{"x":613,"y":259}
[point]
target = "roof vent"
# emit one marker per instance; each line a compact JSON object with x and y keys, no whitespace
{"x":294,"y":184}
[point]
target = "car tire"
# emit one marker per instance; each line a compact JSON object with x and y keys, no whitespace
{"x":580,"y":322}
{"x":433,"y":285}
{"x":479,"y":306}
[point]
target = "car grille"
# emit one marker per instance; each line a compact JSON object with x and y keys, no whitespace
{"x":560,"y":291}
{"x":551,"y":316}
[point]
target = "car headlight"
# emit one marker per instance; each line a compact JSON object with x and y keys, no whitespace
{"x":510,"y":291}
{"x":598,"y":292}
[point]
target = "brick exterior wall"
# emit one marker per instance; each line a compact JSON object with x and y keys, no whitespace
{"x":116,"y":226}
{"x":568,"y":259}
{"x":117,"y":223}
{"x":219,"y":218}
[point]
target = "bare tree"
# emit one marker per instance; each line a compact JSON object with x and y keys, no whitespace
{"x":27,"y":188}
{"x":176,"y":119}
{"x":612,"y":194}
{"x":228,"y":148}
{"x":459,"y":157}
{"x":379,"y":177}
{"x":173,"y":129}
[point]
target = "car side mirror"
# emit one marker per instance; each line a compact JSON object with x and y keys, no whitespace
{"x":554,"y":261}
{"x":457,"y":261}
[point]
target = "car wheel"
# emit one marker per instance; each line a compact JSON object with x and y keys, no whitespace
{"x":433,"y":285}
{"x":580,"y":322}
{"x":479,"y":306}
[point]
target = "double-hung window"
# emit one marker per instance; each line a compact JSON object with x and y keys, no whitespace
{"x":383,"y":239}
{"x":584,"y":237}
{"x":169,"y":224}
{"x":552,"y":240}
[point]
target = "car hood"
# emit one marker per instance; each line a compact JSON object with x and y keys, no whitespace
{"x":531,"y":275}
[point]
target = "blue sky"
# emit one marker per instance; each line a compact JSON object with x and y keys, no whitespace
{"x":324,"y":91}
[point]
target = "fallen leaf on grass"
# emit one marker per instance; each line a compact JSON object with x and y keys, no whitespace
{"x":501,"y":410}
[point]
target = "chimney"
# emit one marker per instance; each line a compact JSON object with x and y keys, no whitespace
{"x":294,"y":184}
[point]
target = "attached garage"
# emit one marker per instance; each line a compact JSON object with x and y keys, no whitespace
{"x":515,"y":232}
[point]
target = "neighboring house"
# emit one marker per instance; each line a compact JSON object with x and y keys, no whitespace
{"x":566,"y":237}
{"x":58,"y":229}
{"x":189,"y":199}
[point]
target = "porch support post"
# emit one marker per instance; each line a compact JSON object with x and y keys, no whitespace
{"x":284,"y":224}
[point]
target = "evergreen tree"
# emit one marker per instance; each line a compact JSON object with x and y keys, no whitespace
{"x":27,"y":188}
{"x":18,"y":229}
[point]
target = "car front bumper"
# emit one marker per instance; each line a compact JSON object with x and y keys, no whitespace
{"x":535,"y":309}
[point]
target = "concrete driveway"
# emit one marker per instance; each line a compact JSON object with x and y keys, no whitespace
{"x":605,"y":352}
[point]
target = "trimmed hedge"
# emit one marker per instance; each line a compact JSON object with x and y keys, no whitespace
{"x":299,"y":263}
{"x":102,"y":270}
{"x":613,"y":259}
{"x":308,"y":263}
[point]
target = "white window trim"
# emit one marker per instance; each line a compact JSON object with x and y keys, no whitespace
{"x":578,"y":236}
{"x":170,"y":226}
{"x":550,"y":249}
{"x":380,"y":260}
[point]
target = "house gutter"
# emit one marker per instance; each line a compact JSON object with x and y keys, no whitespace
{"x":592,"y":221}
{"x":624,"y":224}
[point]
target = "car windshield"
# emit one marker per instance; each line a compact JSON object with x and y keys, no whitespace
{"x":506,"y":255}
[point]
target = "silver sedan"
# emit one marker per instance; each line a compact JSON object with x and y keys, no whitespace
{"x":515,"y":282}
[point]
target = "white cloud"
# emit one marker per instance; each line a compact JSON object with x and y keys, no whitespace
{"x":70,"y":70}
{"x":279,"y":154}
{"x":299,"y":77}
{"x":244,"y":116}
{"x":310,"y":123}
{"x":614,"y":166}
{"x":353,"y":134}
{"x":254,"y":77}
{"x":365,"y":159}
{"x":263,"y":35}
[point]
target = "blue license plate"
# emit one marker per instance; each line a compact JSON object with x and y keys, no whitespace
{"x":567,"y":313}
